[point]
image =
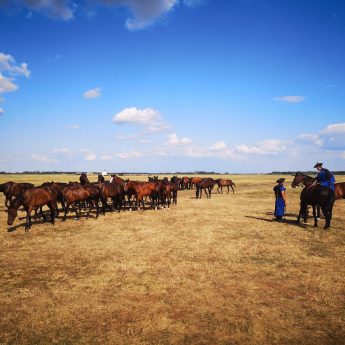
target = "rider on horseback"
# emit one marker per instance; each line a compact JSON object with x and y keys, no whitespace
{"x":324,"y":177}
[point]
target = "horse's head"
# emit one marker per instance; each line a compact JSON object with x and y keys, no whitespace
{"x":12,"y":214}
{"x":125,"y":186}
{"x":298,"y":180}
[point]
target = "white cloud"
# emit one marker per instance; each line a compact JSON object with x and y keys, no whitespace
{"x":75,"y":154}
{"x":147,"y":116}
{"x":129,"y":155}
{"x":92,"y":93}
{"x":173,"y":140}
{"x":308,"y":138}
{"x":9,"y":71}
{"x":342,"y":155}
{"x":265,"y":147}
{"x":42,"y":158}
{"x":290,"y":99}
{"x":337,"y":128}
{"x":7,"y":84}
{"x":60,"y":9}
{"x":72,"y":126}
{"x":218,"y":146}
{"x":106,"y":158}
{"x":1,"y":111}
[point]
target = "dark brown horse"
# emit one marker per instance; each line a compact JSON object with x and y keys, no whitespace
{"x":225,"y":183}
{"x":164,"y":190}
{"x":30,"y":199}
{"x":314,"y":195}
{"x":207,"y":185}
{"x":114,"y":191}
{"x":74,"y":194}
{"x":13,"y":189}
{"x":185,"y":182}
{"x":100,"y":178}
{"x":83,"y":179}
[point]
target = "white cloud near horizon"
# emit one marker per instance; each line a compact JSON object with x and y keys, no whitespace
{"x":1,"y":111}
{"x":290,"y":99}
{"x":73,"y":154}
{"x":173,"y":140}
{"x":72,"y":126}
{"x":93,"y":93}
{"x":129,"y":155}
{"x":42,"y":158}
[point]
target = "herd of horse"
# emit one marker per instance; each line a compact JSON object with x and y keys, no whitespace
{"x":88,"y":196}
{"x":161,"y":193}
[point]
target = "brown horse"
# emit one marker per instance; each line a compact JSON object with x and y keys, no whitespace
{"x":13,"y":189}
{"x":114,"y":191}
{"x":100,"y":178}
{"x":194,"y":181}
{"x":142,"y":189}
{"x":83,"y":179}
{"x":73,"y":194}
{"x":30,"y":199}
{"x":206,"y":184}
{"x":314,"y":195}
{"x":225,"y":183}
{"x":185,"y":182}
{"x":339,"y":190}
{"x":164,"y":190}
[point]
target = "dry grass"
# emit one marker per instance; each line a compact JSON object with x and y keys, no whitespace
{"x":216,"y":271}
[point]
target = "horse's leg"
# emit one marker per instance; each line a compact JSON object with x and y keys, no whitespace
{"x":314,"y":215}
{"x":97,"y":207}
{"x":66,"y":211}
{"x":28,"y":219}
{"x":318,"y":212}
{"x":233,"y":191}
{"x":218,"y":190}
{"x":52,"y":211}
{"x":74,"y":208}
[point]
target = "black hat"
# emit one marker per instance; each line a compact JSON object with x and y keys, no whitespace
{"x":318,"y":165}
{"x":281,"y":180}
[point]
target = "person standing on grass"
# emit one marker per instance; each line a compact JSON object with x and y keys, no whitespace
{"x":279,"y":191}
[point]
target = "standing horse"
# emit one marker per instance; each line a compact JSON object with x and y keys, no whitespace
{"x":225,"y":183}
{"x":83,"y":179}
{"x":314,"y":195}
{"x":13,"y":189}
{"x":31,"y":199}
{"x":206,"y":184}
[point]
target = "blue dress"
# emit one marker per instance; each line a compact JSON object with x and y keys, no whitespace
{"x":280,"y":203}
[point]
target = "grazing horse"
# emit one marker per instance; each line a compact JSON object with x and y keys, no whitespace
{"x":13,"y":189}
{"x":314,"y":195}
{"x":142,"y":189}
{"x":225,"y":183}
{"x":206,"y":184}
{"x":83,"y":179}
{"x":30,"y":199}
{"x":89,"y":193}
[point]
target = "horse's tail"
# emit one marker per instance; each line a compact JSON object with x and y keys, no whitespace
{"x":233,"y":183}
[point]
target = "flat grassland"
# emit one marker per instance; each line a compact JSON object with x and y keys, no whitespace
{"x":209,"y":271}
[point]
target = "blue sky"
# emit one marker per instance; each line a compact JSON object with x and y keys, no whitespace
{"x":172,"y":85}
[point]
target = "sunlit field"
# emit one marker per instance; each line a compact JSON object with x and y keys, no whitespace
{"x":209,"y":271}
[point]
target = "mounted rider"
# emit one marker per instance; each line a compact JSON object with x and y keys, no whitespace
{"x":324,"y":177}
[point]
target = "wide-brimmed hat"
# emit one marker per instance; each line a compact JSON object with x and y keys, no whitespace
{"x":318,"y":165}
{"x":281,"y":180}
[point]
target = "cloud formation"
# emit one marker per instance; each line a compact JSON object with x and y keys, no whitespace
{"x":92,"y":93}
{"x":144,"y":13}
{"x":290,"y":99}
{"x":9,"y":72}
{"x":59,"y":9}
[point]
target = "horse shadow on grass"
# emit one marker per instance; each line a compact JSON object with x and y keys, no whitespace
{"x":284,"y":221}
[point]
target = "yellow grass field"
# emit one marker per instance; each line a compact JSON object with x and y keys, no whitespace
{"x":209,"y":271}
